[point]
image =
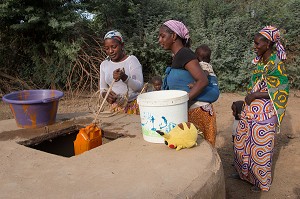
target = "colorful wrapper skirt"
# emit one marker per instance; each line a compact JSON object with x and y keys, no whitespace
{"x":254,"y":141}
{"x":204,"y":118}
{"x":131,"y":108}
{"x":253,"y":151}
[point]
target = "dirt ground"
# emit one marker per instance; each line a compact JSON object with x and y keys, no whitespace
{"x":286,"y":161}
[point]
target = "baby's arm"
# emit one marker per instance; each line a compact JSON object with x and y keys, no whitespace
{"x":206,"y":72}
{"x":191,"y":85}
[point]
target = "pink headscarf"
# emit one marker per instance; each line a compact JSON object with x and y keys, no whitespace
{"x":179,"y":28}
{"x":272,"y":34}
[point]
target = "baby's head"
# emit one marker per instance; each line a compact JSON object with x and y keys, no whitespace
{"x":237,"y":108}
{"x":203,"y":53}
{"x":157,"y":82}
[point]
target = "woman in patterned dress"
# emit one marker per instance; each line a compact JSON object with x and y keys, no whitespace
{"x":263,"y":111}
{"x":174,"y":36}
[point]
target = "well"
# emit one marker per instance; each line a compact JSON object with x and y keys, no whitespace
{"x":128,"y":167}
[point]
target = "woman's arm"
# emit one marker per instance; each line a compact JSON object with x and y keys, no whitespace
{"x":103,"y":84}
{"x":198,"y":74}
{"x":256,"y":95}
{"x":135,"y":80}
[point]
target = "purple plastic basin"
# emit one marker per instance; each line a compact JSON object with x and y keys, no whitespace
{"x":34,"y":108}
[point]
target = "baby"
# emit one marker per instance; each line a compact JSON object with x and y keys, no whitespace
{"x":236,"y":108}
{"x":203,"y":53}
{"x":156,"y":82}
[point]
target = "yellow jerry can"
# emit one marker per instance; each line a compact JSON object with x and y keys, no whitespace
{"x":87,"y":139}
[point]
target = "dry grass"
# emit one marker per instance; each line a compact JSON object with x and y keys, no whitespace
{"x":85,"y":71}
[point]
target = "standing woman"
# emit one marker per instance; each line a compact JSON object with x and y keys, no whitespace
{"x":125,"y":70}
{"x":174,"y":36}
{"x":263,"y":111}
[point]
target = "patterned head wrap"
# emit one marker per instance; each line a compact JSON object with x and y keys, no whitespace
{"x":114,"y":34}
{"x":272,"y":34}
{"x":179,"y":28}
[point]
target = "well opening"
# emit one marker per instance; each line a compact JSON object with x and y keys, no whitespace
{"x":61,"y":142}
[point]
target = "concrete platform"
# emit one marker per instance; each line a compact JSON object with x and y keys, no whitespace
{"x":128,"y":167}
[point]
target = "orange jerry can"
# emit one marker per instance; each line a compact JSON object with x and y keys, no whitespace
{"x":87,"y":139}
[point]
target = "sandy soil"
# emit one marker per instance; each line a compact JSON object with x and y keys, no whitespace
{"x":286,"y":161}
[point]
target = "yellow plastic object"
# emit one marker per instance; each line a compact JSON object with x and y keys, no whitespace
{"x":87,"y":139}
{"x":183,"y":135}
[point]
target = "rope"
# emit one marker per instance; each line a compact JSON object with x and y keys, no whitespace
{"x":99,"y":113}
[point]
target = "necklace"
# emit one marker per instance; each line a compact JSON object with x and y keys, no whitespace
{"x":267,"y":59}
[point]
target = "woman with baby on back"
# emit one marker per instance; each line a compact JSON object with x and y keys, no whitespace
{"x":174,"y":36}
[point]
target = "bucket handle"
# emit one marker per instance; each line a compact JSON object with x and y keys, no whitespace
{"x":47,"y":100}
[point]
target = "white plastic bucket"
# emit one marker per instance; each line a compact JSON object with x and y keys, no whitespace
{"x":162,"y":110}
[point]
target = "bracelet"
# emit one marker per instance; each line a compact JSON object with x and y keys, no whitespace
{"x":126,"y":79}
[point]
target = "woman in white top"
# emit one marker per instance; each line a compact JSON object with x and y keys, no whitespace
{"x":125,"y":70}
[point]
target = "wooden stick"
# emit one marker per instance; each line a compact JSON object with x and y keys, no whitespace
{"x":109,"y":89}
{"x":144,"y":88}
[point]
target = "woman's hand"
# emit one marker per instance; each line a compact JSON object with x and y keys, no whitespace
{"x":120,"y":74}
{"x":256,"y":95}
{"x":250,"y":98}
{"x":111,"y":98}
